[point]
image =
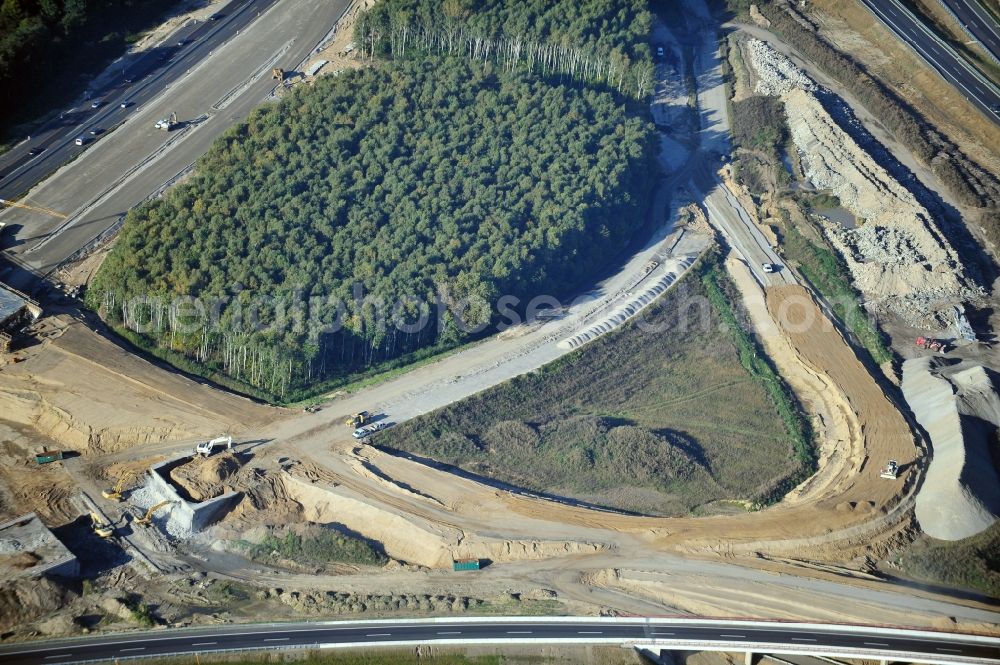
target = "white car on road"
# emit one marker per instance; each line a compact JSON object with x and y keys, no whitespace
{"x":367,"y":430}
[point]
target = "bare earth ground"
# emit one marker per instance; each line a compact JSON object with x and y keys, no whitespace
{"x":90,"y":394}
{"x":423,"y":516}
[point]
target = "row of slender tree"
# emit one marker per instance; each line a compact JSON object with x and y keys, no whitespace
{"x":393,"y":35}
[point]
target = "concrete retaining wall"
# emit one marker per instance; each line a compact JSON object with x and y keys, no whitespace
{"x":190,"y":514}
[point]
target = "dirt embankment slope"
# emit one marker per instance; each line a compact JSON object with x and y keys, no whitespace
{"x":87,"y":393}
{"x":886,"y":433}
{"x":838,"y":433}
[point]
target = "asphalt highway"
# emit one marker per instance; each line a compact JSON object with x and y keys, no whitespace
{"x":977,"y":21}
{"x":951,"y":66}
{"x":661,"y":632}
{"x":142,"y":79}
{"x":135,"y":161}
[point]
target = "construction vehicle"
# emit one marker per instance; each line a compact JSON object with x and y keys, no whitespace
{"x":890,"y":471}
{"x":278,"y":74}
{"x":47,"y":456}
{"x":101,"y":528}
{"x":358,"y":419}
{"x":931,"y":344}
{"x":115,"y":493}
{"x":465,"y":564}
{"x":168,"y":123}
{"x":206,"y":448}
{"x":146,"y":519}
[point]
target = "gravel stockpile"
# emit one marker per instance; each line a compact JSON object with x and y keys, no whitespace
{"x":960,"y":496}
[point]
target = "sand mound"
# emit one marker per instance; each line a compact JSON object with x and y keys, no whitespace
{"x":205,"y":477}
{"x":959,"y":409}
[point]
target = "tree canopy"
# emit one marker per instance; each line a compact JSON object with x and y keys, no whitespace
{"x":419,"y":179}
{"x":593,"y":40}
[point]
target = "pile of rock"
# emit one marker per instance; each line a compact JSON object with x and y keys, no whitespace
{"x":897,"y":255}
{"x":338,"y":602}
{"x":776,"y":73}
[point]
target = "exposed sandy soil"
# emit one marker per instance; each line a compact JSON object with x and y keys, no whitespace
{"x":838,"y":432}
{"x":204,"y":478}
{"x":701,"y":595}
{"x":86,"y":393}
{"x":27,"y":487}
{"x":887,"y":434}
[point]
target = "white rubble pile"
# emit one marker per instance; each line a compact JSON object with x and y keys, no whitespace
{"x":897,"y":255}
{"x":145,"y":497}
{"x":776,"y":75}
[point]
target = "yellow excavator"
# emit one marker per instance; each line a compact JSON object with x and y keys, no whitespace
{"x":101,"y":528}
{"x":148,"y":517}
{"x":115,"y":493}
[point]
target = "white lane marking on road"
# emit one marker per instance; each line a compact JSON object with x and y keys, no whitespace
{"x":59,"y":655}
{"x":276,"y":639}
{"x":204,"y":644}
{"x":134,"y":649}
{"x":663,"y":633}
{"x":378,"y":634}
{"x":803,"y":639}
{"x":519,"y":632}
{"x":450,"y":632}
{"x":946,"y":649}
{"x":725,"y":635}
{"x":876,"y":644}
{"x":588,"y":632}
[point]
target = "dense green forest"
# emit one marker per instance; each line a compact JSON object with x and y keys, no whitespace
{"x":422,"y":180}
{"x":49,"y":48}
{"x":596,"y":41}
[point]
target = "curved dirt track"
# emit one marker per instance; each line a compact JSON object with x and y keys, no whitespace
{"x":843,"y":508}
